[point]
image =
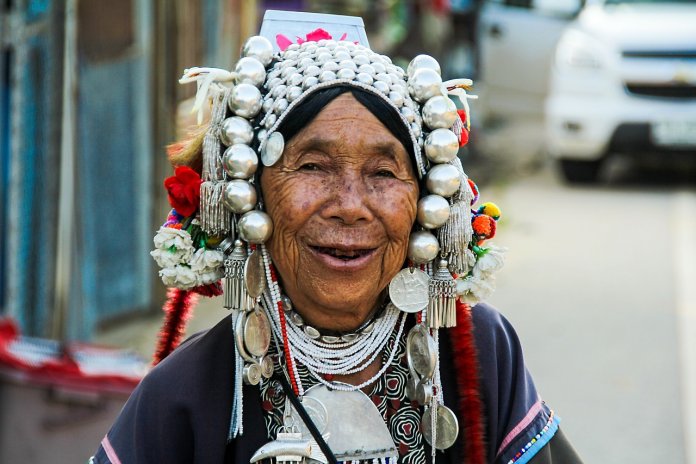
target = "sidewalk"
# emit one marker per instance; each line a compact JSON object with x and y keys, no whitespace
{"x":140,"y":334}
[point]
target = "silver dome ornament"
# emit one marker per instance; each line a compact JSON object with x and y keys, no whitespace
{"x":250,"y":71}
{"x":260,"y":48}
{"x":255,"y":227}
{"x":365,"y":78}
{"x":346,"y":74}
{"x":236,"y":130}
{"x":309,"y":82}
{"x":240,"y":161}
{"x":443,"y":180}
{"x":423,"y":62}
{"x":441,"y":146}
{"x":423,"y":247}
{"x":433,"y":211}
{"x":293,"y":93}
{"x":272,"y":149}
{"x":439,"y":112}
{"x":327,"y":76}
{"x":245,"y":100}
{"x":424,"y":84}
{"x":239,"y":196}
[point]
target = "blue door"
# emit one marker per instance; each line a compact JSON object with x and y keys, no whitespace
{"x":30,"y":75}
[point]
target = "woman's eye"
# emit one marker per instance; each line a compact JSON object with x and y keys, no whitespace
{"x":385,"y":173}
{"x":309,"y":167}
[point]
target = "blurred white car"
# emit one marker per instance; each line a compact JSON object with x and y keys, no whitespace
{"x":620,"y":79}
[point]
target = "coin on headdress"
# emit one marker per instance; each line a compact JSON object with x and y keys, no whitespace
{"x":257,"y":333}
{"x":272,"y":149}
{"x":446,"y":428}
{"x":421,"y":351}
{"x":267,"y":367}
{"x":251,"y":374}
{"x":239,"y":338}
{"x":408,"y":290}
{"x":254,"y":275}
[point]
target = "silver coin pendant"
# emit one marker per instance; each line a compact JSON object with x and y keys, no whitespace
{"x":254,"y":275}
{"x":446,"y":428}
{"x":408,"y":290}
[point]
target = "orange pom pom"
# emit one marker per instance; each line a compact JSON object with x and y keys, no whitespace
{"x":484,"y":227}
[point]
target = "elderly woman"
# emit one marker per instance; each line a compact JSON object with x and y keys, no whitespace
{"x":346,"y":253}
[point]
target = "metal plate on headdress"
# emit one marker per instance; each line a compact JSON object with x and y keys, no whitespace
{"x":239,"y":338}
{"x":408,"y":290}
{"x":257,"y":333}
{"x":254,"y":275}
{"x":272,"y":149}
{"x":447,"y":427}
{"x":421,"y":351}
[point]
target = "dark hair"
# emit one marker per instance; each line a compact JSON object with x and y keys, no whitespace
{"x":305,"y":112}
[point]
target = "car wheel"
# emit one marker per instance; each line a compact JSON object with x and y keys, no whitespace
{"x":580,"y":171}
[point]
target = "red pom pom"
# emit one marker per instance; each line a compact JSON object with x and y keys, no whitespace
{"x":184,"y":190}
{"x":484,"y":226}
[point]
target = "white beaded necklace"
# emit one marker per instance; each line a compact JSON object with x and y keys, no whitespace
{"x":340,"y":358}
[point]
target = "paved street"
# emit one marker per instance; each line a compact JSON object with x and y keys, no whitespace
{"x":599,"y":284}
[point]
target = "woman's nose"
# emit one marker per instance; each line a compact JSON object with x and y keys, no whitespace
{"x":349,"y":202}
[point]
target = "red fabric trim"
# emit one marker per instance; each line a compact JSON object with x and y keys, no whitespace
{"x":467,"y":371}
{"x":178,"y":308}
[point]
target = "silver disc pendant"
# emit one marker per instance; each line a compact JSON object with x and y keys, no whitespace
{"x":257,"y":333}
{"x":272,"y":149}
{"x":447,"y":427}
{"x":251,"y":374}
{"x":267,"y":367}
{"x":421,"y":351}
{"x":408,"y":290}
{"x":239,"y":338}
{"x":254,"y":275}
{"x":423,"y":393}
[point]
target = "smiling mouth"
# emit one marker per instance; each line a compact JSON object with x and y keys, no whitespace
{"x":345,"y":255}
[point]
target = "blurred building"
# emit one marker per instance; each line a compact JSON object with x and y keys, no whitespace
{"x":88,"y":100}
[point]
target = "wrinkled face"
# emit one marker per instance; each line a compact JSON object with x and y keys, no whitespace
{"x":343,"y":200}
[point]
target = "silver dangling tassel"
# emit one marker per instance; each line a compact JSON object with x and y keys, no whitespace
{"x":215,"y":218}
{"x":235,"y":291}
{"x":456,"y":234}
{"x":442,"y":291}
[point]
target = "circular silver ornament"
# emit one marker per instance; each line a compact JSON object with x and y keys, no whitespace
{"x":279,"y":90}
{"x":441,"y":146}
{"x":311,"y":332}
{"x":447,"y":427}
{"x":294,"y":92}
{"x":421,"y":351}
{"x":260,"y":48}
{"x":250,"y":71}
{"x":422,"y":62}
{"x":251,"y":374}
{"x":379,"y":67}
{"x":360,"y":59}
{"x":348,"y":64}
{"x":270,"y":120}
{"x":424,"y":84}
{"x":245,"y":100}
{"x":367,"y":69}
{"x":408,"y":290}
{"x":433,"y":211}
{"x":236,"y":130}
{"x":309,"y":82}
{"x":239,"y":196}
{"x":255,"y":227}
{"x":254,"y":275}
{"x":423,"y":392}
{"x":423,"y":247}
{"x":280,"y":105}
{"x":443,"y":180}
{"x":257,"y":333}
{"x":396,"y":98}
{"x":345,"y":74}
{"x":272,"y":149}
{"x":351,"y":337}
{"x":439,"y":112}
{"x":327,"y":76}
{"x":312,"y":71}
{"x":408,"y":113}
{"x":382,"y":87}
{"x":287,"y":304}
{"x":296,"y":319}
{"x":330,"y":66}
{"x":288,"y":71}
{"x":330,"y":339}
{"x":240,"y":161}
{"x":342,"y":56}
{"x":266,"y":367}
{"x":365,"y":78}
{"x":239,"y":338}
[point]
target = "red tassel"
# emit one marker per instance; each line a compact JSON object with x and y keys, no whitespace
{"x":466,"y":365}
{"x":177,"y":310}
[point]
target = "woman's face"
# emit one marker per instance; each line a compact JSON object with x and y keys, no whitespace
{"x":343,"y":200}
